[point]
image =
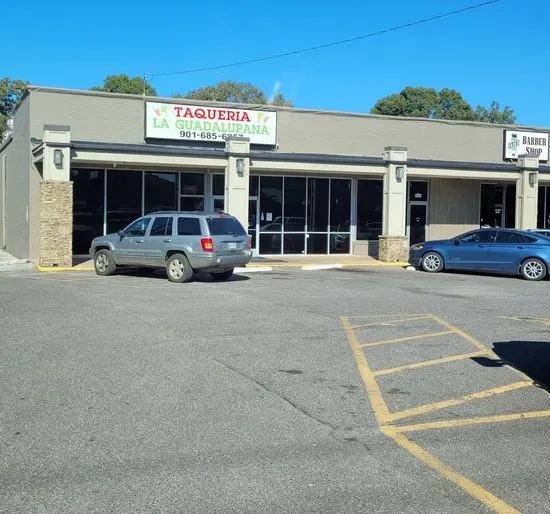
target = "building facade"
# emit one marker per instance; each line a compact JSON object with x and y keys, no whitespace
{"x":79,"y":164}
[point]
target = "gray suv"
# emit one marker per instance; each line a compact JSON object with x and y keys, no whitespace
{"x":181,"y":242}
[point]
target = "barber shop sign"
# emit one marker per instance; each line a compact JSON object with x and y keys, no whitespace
{"x":530,"y":144}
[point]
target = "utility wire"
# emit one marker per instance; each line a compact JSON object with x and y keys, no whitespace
{"x":328,"y":45}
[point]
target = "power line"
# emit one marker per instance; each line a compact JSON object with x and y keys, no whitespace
{"x":327,"y":45}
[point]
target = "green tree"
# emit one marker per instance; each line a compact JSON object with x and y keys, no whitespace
{"x":11,"y":92}
{"x":447,"y":104}
{"x":236,"y":92}
{"x":126,"y":85}
{"x":494,"y":115}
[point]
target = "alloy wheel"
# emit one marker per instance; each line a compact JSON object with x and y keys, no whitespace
{"x":176,"y":268}
{"x":102,"y":263}
{"x":533,"y":270}
{"x":432,"y":262}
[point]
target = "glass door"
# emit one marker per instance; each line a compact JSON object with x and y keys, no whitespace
{"x":253,"y":224}
{"x":417,"y":223}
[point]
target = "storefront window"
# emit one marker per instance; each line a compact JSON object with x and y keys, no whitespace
{"x":370,"y":196}
{"x":123,"y":198}
{"x":218,"y":185}
{"x":88,"y":208}
{"x":192,"y":191}
{"x":271,"y":211}
{"x":543,"y":215}
{"x":161,"y":193}
{"x":317,"y":206}
{"x":340,"y":205}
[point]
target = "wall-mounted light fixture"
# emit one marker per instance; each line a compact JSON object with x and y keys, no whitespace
{"x":400,"y":173}
{"x":58,"y":157}
{"x":240,"y":167}
{"x":533,"y":178}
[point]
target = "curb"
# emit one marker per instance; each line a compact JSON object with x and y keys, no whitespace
{"x":254,"y":268}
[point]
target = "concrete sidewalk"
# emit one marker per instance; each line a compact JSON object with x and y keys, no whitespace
{"x":277,"y":261}
{"x":10,"y":263}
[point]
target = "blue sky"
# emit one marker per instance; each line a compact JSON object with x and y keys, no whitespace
{"x":495,"y":52}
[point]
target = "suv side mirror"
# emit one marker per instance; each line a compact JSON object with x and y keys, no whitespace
{"x":121,"y":233}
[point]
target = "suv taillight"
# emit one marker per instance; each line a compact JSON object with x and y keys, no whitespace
{"x":250,"y":242}
{"x":207,"y":244}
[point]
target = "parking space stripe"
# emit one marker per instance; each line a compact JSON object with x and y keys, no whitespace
{"x":378,"y":404}
{"x":442,"y":360}
{"x":459,"y":332}
{"x":390,"y":322}
{"x":482,"y":420}
{"x":408,"y":338}
{"x":470,"y":487}
{"x":385,"y":420}
{"x":391,"y":316}
{"x":430,"y":407}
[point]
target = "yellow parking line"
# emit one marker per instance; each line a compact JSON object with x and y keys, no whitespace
{"x":459,"y":332}
{"x":408,"y":338}
{"x":482,"y":420}
{"x":394,"y":316}
{"x":488,"y":393}
{"x":378,"y":404}
{"x":452,"y":358}
{"x":390,"y":322}
{"x":470,"y":487}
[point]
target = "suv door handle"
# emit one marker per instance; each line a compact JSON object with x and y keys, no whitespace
{"x":139,"y":240}
{"x":167,"y":240}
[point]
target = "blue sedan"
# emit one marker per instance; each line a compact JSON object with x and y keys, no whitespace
{"x":510,"y":252}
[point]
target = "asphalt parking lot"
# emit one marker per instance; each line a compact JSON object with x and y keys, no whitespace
{"x":347,"y":390}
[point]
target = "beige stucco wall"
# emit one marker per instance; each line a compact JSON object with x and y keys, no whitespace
{"x":17,"y":183}
{"x":454,"y":207}
{"x":121,"y":119}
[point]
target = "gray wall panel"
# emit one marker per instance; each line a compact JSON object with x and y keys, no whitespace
{"x":453,"y":207}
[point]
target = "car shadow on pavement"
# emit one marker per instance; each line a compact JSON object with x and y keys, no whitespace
{"x":156,"y":274}
{"x":530,"y":357}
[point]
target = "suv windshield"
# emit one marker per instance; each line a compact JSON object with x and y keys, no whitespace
{"x":223,"y":226}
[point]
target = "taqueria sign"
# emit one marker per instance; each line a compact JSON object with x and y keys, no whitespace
{"x":200,"y":123}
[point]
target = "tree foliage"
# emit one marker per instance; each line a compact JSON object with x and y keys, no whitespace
{"x":447,"y":104}
{"x":236,"y":92}
{"x":126,"y":85}
{"x":11,"y":92}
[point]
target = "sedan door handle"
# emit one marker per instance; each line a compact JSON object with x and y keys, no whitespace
{"x":521,"y":247}
{"x":481,"y":246}
{"x":167,"y":240}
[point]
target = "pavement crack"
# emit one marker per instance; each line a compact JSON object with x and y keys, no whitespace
{"x":268,"y":389}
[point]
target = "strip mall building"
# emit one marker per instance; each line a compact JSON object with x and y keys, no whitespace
{"x":78,"y":164}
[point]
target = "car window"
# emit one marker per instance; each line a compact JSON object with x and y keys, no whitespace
{"x":161,"y":226}
{"x":529,"y":239}
{"x":509,"y":237}
{"x":481,"y":236}
{"x":138,"y":228}
{"x":223,"y":226}
{"x":189,"y":227}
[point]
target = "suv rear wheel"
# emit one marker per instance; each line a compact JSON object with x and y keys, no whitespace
{"x":104,"y":263}
{"x":224,"y":275}
{"x":178,"y":268}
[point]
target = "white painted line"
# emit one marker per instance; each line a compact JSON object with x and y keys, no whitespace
{"x":252,"y":270}
{"x":322,"y":266}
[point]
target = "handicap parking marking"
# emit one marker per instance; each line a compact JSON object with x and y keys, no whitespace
{"x":386,"y":419}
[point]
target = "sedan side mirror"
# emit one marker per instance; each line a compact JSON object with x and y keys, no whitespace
{"x":456,"y":242}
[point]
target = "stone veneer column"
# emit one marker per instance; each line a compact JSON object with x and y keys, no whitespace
{"x":56,"y":228}
{"x":527,"y":193}
{"x":393,"y":241}
{"x":56,"y":199}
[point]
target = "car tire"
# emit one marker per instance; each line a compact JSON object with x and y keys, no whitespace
{"x":533,"y":269}
{"x":178,"y":268}
{"x":224,"y":275}
{"x":104,"y":263}
{"x":432,"y":262}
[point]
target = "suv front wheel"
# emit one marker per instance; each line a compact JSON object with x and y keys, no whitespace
{"x":178,"y":268}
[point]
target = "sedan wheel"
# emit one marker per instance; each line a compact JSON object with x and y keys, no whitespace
{"x":432,"y":262}
{"x":533,"y":269}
